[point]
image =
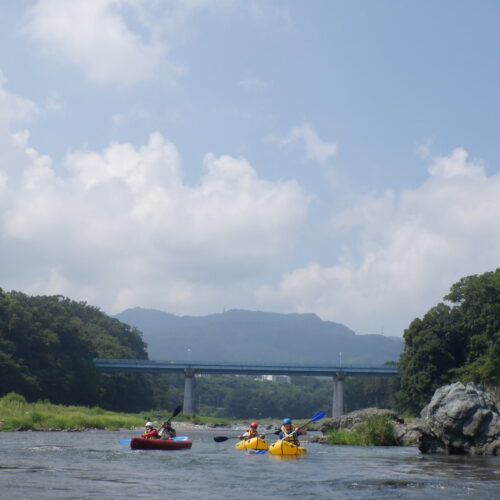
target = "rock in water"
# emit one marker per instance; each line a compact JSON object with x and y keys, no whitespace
{"x":460,"y":420}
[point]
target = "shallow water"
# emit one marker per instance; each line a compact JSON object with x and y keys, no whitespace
{"x":94,"y":465}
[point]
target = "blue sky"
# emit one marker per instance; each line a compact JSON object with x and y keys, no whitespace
{"x":335,"y":157}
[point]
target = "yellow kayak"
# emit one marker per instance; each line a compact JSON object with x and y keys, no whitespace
{"x":286,"y":448}
{"x":255,"y":443}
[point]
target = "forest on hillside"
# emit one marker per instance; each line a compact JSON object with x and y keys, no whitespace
{"x":47,"y":347}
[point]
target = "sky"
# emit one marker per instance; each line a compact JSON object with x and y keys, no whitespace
{"x":337,"y":157}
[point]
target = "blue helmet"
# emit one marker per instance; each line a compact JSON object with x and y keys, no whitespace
{"x":287,"y":421}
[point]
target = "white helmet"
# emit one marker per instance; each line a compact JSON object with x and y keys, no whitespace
{"x":149,"y":424}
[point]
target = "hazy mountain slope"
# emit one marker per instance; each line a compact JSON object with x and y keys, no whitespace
{"x":240,"y":335}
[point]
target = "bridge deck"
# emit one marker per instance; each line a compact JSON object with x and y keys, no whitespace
{"x":215,"y":367}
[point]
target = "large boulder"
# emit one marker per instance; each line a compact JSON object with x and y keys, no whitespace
{"x":459,"y":420}
{"x":408,"y":434}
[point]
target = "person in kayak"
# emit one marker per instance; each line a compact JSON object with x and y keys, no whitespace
{"x":251,"y":432}
{"x":166,"y":431}
{"x":151,"y":432}
{"x":289,"y":432}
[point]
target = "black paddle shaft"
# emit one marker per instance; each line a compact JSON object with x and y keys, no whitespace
{"x":175,"y":413}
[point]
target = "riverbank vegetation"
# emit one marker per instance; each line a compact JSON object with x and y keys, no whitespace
{"x":17,"y":414}
{"x":374,"y":430}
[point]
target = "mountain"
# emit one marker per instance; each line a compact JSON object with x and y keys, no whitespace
{"x":252,"y":336}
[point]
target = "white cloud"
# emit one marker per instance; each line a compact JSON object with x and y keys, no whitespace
{"x":93,"y":35}
{"x":14,"y":109}
{"x":316,"y":150}
{"x":120,"y":227}
{"x":125,"y":42}
{"x":410,"y":248}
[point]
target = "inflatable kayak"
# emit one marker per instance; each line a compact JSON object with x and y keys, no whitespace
{"x":177,"y":443}
{"x":255,"y":443}
{"x":286,"y":448}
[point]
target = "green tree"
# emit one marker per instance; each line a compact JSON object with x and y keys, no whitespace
{"x":478,"y":299}
{"x":461,"y":341}
{"x":47,"y":347}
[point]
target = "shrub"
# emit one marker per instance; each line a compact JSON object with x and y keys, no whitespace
{"x":377,"y":430}
{"x":13,"y":396}
{"x":374,"y":430}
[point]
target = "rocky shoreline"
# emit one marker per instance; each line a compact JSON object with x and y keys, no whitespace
{"x":459,"y":420}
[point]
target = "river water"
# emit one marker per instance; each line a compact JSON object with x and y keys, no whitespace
{"x":94,"y":465}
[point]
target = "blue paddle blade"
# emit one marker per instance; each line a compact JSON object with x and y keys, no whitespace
{"x":318,"y":416}
{"x":125,"y":441}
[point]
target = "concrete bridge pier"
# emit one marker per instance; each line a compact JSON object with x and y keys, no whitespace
{"x":188,"y":405}
{"x":338,"y":394}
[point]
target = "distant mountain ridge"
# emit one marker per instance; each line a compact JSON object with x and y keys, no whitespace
{"x":253,"y":336}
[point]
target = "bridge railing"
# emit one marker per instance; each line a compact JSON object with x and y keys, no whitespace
{"x":237,"y":367}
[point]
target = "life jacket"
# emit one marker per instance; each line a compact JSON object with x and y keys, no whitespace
{"x":251,"y":433}
{"x":291,"y":436}
{"x":153,"y":434}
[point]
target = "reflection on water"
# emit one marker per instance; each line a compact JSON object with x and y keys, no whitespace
{"x":94,"y":465}
{"x":285,"y":457}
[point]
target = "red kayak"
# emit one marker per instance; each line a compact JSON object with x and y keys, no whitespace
{"x":160,"y":444}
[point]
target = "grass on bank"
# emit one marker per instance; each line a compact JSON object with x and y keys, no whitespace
{"x":374,"y":430}
{"x":16,"y":414}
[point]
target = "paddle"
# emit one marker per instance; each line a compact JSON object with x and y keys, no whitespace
{"x":317,"y":416}
{"x":175,"y":413}
{"x":221,"y":439}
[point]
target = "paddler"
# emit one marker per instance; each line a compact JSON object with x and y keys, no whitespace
{"x":251,"y":432}
{"x":289,"y":432}
{"x":151,"y":432}
{"x":166,"y":431}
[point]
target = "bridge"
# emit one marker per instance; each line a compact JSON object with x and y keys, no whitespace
{"x":338,"y":372}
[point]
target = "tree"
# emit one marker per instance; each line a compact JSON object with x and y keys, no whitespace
{"x":478,"y":298}
{"x":461,"y":341}
{"x":47,"y":347}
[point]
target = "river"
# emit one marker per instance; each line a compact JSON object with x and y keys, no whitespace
{"x":94,"y":465}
